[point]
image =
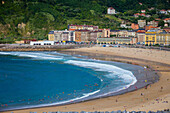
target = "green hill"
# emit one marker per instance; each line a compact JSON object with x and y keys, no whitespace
{"x":35,"y":18}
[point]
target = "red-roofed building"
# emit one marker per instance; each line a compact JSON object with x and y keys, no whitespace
{"x":141,"y":36}
{"x":140,"y":3}
{"x":142,"y":11}
{"x":142,"y":14}
{"x":163,"y":11}
{"x":136,"y":15}
{"x":111,"y":11}
{"x":167,"y":29}
{"x":148,"y":27}
{"x":167,"y":20}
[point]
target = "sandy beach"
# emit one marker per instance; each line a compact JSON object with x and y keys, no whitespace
{"x":155,"y":97}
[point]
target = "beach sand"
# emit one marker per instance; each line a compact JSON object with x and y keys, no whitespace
{"x":155,"y":97}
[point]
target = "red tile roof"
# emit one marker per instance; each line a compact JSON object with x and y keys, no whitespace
{"x":110,"y":8}
{"x":167,"y":19}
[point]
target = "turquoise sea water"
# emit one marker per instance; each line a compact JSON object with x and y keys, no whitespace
{"x":34,"y":79}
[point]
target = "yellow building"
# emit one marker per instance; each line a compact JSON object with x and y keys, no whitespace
{"x":160,"y":37}
{"x":51,"y":36}
{"x":163,"y":38}
{"x":150,"y":37}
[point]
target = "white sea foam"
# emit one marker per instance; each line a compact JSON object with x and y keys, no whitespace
{"x":111,"y":69}
{"x":4,"y":53}
{"x":38,"y":55}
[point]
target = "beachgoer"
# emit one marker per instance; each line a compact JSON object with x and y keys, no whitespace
{"x":161,"y":88}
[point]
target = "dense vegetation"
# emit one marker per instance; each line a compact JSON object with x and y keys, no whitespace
{"x":35,"y":18}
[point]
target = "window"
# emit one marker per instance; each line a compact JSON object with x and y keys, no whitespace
{"x":146,"y":38}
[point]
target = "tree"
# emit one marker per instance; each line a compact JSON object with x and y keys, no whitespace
{"x":161,"y":23}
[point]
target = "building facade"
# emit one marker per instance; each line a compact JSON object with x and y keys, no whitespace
{"x":141,"y":36}
{"x":141,"y":23}
{"x":153,"y":23}
{"x":163,"y":38}
{"x":93,"y":36}
{"x":51,"y":36}
{"x":106,"y":32}
{"x":150,"y":37}
{"x":82,"y":27}
{"x":71,"y":35}
{"x":117,"y":40}
{"x":111,"y":11}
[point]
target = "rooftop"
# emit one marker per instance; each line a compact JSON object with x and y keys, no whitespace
{"x":51,"y":32}
{"x":110,"y":8}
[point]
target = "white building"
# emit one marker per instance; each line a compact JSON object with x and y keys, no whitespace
{"x":142,"y":11}
{"x":142,"y":23}
{"x":124,"y":26}
{"x":111,"y":11}
{"x":61,"y":35}
{"x":167,"y":20}
{"x":163,"y":11}
{"x":71,"y":35}
{"x":42,"y":43}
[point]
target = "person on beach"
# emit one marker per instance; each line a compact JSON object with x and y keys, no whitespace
{"x":161,"y":88}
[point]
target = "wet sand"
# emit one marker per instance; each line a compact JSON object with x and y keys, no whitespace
{"x":155,"y":97}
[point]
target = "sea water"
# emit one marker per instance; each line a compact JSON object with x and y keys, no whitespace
{"x":35,"y":79}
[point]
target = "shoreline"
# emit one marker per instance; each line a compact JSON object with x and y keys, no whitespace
{"x":72,"y":107}
{"x":139,"y":83}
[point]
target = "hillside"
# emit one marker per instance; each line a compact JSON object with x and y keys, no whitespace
{"x":35,"y":18}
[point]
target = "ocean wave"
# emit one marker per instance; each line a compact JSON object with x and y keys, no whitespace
{"x":34,"y":55}
{"x":111,"y":69}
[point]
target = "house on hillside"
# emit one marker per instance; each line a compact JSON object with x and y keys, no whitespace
{"x":136,"y":15}
{"x":124,"y":26}
{"x":142,"y":11}
{"x":141,"y":23}
{"x":111,"y":11}
{"x":167,"y":20}
{"x":152,"y":8}
{"x":163,"y":11}
{"x":153,"y":23}
{"x":168,"y":10}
